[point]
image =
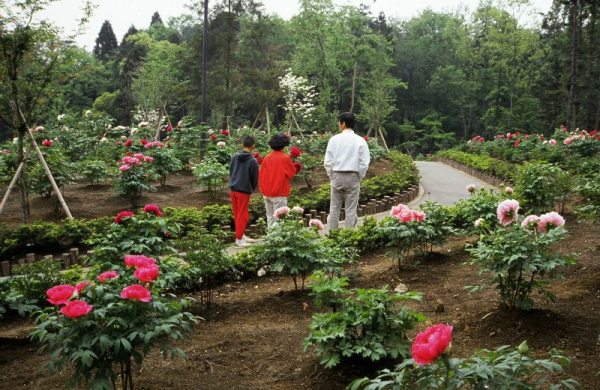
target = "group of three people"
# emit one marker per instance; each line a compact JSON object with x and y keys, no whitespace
{"x":346,"y":162}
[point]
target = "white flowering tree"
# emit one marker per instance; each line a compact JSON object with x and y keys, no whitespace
{"x":299,"y":98}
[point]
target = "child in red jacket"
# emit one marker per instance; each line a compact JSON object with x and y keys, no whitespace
{"x":275,"y":176}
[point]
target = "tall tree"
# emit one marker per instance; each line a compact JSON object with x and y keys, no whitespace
{"x":106,"y":43}
{"x":156,"y":19}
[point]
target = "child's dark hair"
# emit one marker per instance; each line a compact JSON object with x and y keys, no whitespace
{"x":279,"y":141}
{"x":349,"y":119}
{"x":248,"y":141}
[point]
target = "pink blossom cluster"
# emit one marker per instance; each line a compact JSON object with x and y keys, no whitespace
{"x":544,"y":223}
{"x":298,"y":210}
{"x":316,"y":223}
{"x":404,"y":214}
{"x":476,"y":139}
{"x":281,"y":212}
{"x":130,"y":161}
{"x":508,"y":211}
{"x":152,"y":144}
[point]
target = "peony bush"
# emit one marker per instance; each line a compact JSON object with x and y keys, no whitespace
{"x":106,"y":326}
{"x":520,"y":255}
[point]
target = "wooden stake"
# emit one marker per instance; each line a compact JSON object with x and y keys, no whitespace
{"x":383,"y":139}
{"x":268,"y":119}
{"x":49,"y":174}
{"x":14,"y":180}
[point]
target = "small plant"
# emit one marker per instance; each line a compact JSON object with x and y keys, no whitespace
{"x":480,"y":205}
{"x":94,"y":171}
{"x":521,"y":256}
{"x":104,"y":327}
{"x":211,"y":174}
{"x":165,"y":162}
{"x":543,"y":187}
{"x":136,"y":176}
{"x":503,"y":368}
{"x":292,"y":248}
{"x":63,"y":172}
{"x":365,"y":323}
{"x":439,"y":224}
{"x":405,"y":232}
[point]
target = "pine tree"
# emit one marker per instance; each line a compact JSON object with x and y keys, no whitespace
{"x":156,"y":19}
{"x":106,"y":43}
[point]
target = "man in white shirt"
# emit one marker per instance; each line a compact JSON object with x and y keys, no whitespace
{"x":346,"y":162}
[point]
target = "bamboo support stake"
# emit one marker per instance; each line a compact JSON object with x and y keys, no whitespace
{"x":268,"y":120}
{"x":49,"y":174}
{"x":383,"y":139}
{"x":14,"y":180}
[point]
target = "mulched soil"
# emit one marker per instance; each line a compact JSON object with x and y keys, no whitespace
{"x":252,"y":337}
{"x":90,"y":201}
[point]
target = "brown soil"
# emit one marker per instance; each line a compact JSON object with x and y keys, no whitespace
{"x":252,"y":338}
{"x":87,"y":201}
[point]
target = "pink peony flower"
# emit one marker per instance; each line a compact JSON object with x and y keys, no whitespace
{"x":147,"y":274}
{"x":431,"y":344}
{"x":123,"y":214}
{"x":509,"y":190}
{"x":568,"y":141}
{"x":137,"y":261}
{"x":47,"y":143}
{"x":396,"y":210}
{"x":549,"y":221}
{"x":508,"y":211}
{"x":153,"y":209}
{"x":530,"y":221}
{"x":59,"y":295}
{"x":418,"y":216}
{"x":280,"y":212}
{"x":79,"y":287}
{"x":136,"y":292}
{"x":316,"y":223}
{"x":124,"y":168}
{"x":298,"y":210}
{"x":148,"y":159}
{"x":552,"y":142}
{"x":76,"y":309}
{"x":471,"y":188}
{"x":104,"y":276}
{"x":139,"y":156}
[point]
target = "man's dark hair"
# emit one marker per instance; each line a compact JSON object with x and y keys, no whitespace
{"x":248,"y":141}
{"x":349,"y":119}
{"x":279,"y":141}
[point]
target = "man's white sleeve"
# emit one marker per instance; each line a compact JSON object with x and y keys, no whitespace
{"x":364,"y":158}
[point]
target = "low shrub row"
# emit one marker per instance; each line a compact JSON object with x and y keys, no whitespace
{"x":489,"y":165}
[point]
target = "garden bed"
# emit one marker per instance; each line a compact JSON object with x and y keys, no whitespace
{"x":253,"y":337}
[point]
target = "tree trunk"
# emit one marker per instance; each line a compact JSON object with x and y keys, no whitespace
{"x":573,"y":21}
{"x":353,"y":86}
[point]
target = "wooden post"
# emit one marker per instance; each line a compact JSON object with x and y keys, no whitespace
{"x":5,"y":266}
{"x":268,"y":119}
{"x":50,"y":177}
{"x":383,"y":139}
{"x":66,"y":260}
{"x":14,"y":180}
{"x":30,"y":257}
{"x":74,"y":252}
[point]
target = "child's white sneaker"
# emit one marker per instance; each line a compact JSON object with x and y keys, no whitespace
{"x":241,"y":243}
{"x":249,"y":240}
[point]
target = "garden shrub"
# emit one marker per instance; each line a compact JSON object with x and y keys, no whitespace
{"x":438,"y":224}
{"x":63,"y":171}
{"x":165,"y":162}
{"x":366,"y":323}
{"x":136,"y":176}
{"x":502,"y":368}
{"x":543,"y":187}
{"x":94,"y":171}
{"x":521,"y":255}
{"x":364,"y":238}
{"x":103,"y":328}
{"x":486,"y":164}
{"x":211,"y":174}
{"x":297,"y":250}
{"x":481,"y":205}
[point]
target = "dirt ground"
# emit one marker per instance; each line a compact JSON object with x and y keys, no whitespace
{"x":252,"y":338}
{"x":90,"y":201}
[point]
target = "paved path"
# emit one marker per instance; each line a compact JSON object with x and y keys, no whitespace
{"x":443,"y":184}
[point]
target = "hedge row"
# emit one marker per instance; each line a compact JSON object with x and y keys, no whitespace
{"x":489,"y":165}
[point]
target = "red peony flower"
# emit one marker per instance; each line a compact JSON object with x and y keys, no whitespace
{"x":123,"y":214}
{"x":59,"y":295}
{"x":144,"y":141}
{"x":517,"y":143}
{"x":76,"y":309}
{"x":47,"y":143}
{"x":298,"y":166}
{"x":213,"y":137}
{"x":366,"y":138}
{"x":137,"y":261}
{"x":431,"y":344}
{"x":153,"y":209}
{"x":169,"y":128}
{"x":128,"y":143}
{"x":225,"y":132}
{"x":295,"y":151}
{"x":147,"y":274}
{"x":104,"y":276}
{"x":136,"y":292}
